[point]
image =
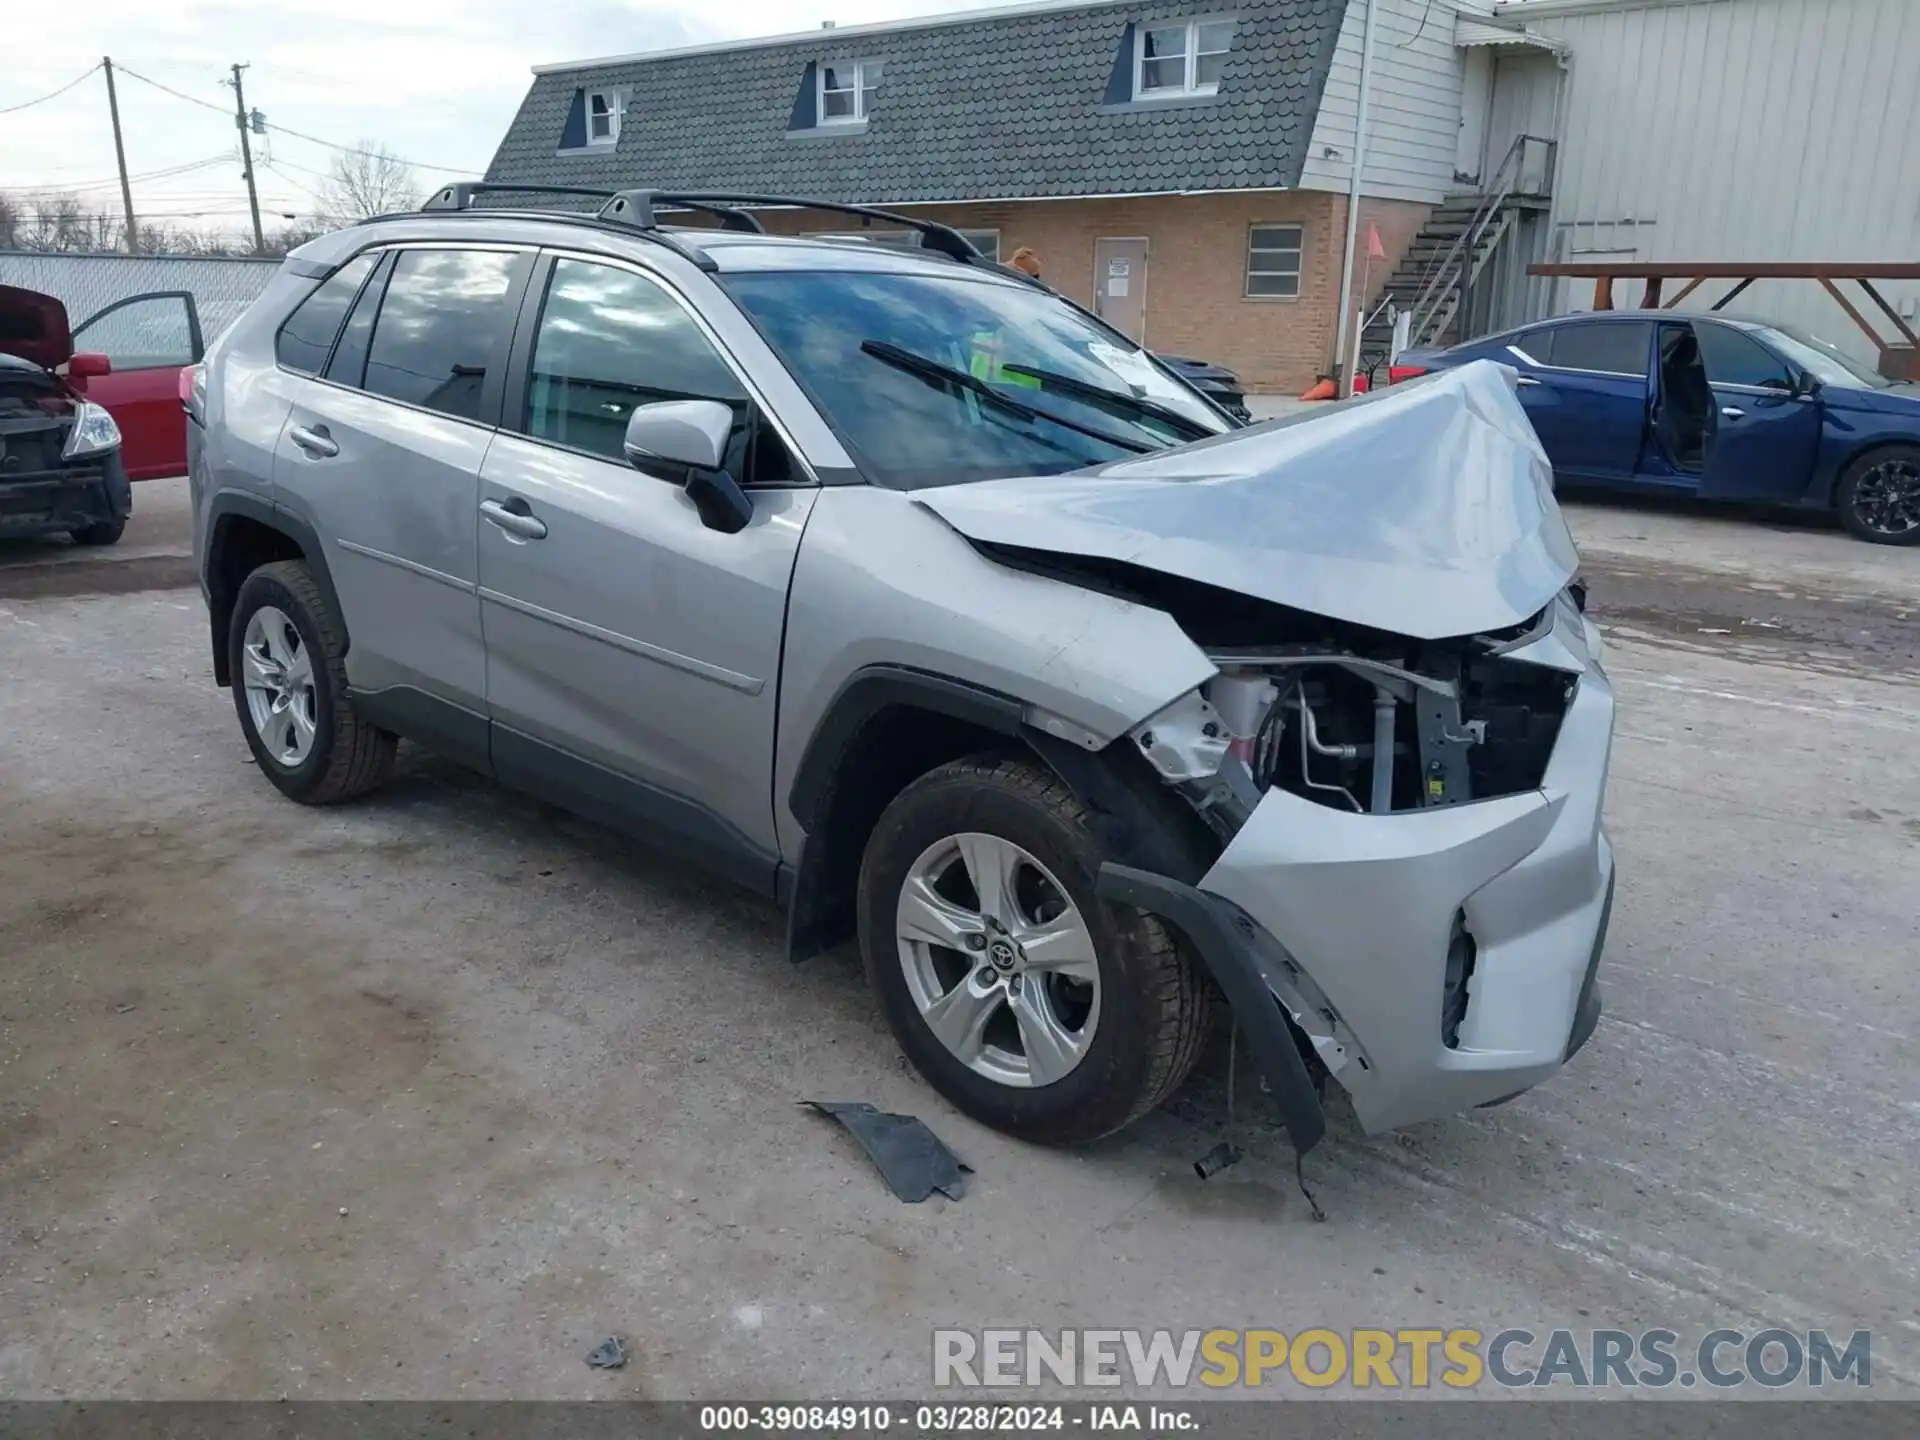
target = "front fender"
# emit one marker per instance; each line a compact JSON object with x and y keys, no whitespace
{"x":883,"y":585}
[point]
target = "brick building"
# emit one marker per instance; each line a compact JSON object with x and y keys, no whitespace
{"x":1181,"y":167}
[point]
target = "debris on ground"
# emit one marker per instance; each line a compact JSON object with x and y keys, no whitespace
{"x":1221,"y":1157}
{"x":609,"y":1354}
{"x":909,"y":1156}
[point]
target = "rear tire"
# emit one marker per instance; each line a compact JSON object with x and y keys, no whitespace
{"x":286,"y":650}
{"x":1127,"y":1047}
{"x":1878,"y":497}
{"x":102,"y":532}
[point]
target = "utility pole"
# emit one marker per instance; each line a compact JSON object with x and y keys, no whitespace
{"x":246,"y":159}
{"x":1346,"y":358}
{"x":120,"y":154}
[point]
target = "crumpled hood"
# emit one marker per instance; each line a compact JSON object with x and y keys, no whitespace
{"x":1426,"y":510}
{"x":34,"y":327}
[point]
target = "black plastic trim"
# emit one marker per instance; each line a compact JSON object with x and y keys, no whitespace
{"x":1211,"y":926}
{"x":866,"y":693}
{"x":1586,"y":1011}
{"x":634,"y":808}
{"x":443,"y":727}
{"x":226,"y":503}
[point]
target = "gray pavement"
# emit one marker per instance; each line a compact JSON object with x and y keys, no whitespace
{"x":424,"y":1096}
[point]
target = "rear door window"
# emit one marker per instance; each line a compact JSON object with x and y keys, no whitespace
{"x":349,"y":363}
{"x":1607,"y":347}
{"x":307,"y":335}
{"x":1734,"y":358}
{"x":443,"y":328}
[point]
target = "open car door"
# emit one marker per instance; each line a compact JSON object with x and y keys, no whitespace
{"x":1684,"y":420}
{"x":147,"y":339}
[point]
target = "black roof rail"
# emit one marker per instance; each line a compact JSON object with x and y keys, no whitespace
{"x":637,"y":207}
{"x":458,"y":198}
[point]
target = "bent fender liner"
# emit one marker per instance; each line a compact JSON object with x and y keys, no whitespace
{"x":1209,"y":925}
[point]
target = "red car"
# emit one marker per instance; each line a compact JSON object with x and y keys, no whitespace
{"x":126,"y":358}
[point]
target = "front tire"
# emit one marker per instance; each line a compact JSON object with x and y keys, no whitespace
{"x":101,"y":532}
{"x":286,"y":652}
{"x":1025,"y":999}
{"x":1878,"y":497}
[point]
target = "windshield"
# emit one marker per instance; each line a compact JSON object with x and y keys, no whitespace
{"x":907,"y":367}
{"x":1824,"y":360}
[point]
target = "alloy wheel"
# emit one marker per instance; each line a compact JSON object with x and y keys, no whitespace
{"x":1887,"y":498}
{"x":279,"y":686}
{"x":998,"y":960}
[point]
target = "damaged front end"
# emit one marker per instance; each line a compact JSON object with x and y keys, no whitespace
{"x":60,"y":464}
{"x":1413,"y":863}
{"x":1403,"y":749}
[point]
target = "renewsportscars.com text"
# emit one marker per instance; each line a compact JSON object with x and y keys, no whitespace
{"x":1379,"y":1359}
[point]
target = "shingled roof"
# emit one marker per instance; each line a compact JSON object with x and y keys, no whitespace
{"x":1017,"y":103}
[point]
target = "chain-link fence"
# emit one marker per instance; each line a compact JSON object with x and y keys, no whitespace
{"x":87,"y":284}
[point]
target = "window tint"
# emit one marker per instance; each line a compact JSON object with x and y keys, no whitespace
{"x":349,"y":363}
{"x":610,"y":341}
{"x":1619,"y":348}
{"x":1735,"y":358}
{"x":443,"y":325}
{"x":141,"y":334}
{"x":308,"y":333}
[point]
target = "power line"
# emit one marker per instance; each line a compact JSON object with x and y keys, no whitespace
{"x":301,"y":134}
{"x":51,"y":94}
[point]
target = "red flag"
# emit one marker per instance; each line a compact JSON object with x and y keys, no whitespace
{"x":1375,"y":250}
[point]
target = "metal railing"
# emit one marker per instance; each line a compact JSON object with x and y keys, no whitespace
{"x":1448,"y":281}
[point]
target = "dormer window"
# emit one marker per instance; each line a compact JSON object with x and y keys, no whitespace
{"x":847,"y":90}
{"x":1180,"y":57}
{"x":603,"y":117}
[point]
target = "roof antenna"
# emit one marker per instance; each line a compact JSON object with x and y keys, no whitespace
{"x":826,"y":24}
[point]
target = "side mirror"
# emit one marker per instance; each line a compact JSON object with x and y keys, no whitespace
{"x":691,"y":436}
{"x":87,"y":364}
{"x":691,"y":433}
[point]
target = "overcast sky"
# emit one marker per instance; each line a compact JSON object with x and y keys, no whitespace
{"x":435,"y":80}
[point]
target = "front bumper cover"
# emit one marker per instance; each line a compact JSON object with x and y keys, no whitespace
{"x":82,"y":493}
{"x":1342,"y":922}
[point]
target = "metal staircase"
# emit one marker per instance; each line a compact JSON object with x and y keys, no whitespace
{"x":1435,"y":278}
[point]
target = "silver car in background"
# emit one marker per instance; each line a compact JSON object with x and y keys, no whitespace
{"x":899,"y":589}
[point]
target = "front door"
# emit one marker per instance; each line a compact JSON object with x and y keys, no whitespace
{"x":1769,"y":431}
{"x":632,"y":653}
{"x":1120,"y":286}
{"x":147,"y":339}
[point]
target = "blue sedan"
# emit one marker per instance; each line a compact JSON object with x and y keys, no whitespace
{"x":1798,"y":422}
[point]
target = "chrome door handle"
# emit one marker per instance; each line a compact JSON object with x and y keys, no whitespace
{"x":1525,"y":381}
{"x":517,"y":522}
{"x":1733,"y":414}
{"x":314,"y":441}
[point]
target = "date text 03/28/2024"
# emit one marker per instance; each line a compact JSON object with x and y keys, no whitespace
{"x":944,"y":1419}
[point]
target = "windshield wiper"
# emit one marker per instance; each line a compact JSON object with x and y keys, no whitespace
{"x":1125,"y":404}
{"x":936,"y":373}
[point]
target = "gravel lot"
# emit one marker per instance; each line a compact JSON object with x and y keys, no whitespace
{"x":424,"y":1097}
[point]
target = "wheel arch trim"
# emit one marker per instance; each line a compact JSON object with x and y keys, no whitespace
{"x":223,"y":508}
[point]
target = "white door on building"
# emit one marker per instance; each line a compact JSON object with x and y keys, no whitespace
{"x":1120,"y":285}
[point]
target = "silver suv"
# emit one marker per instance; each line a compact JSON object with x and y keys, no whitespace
{"x":905,"y":592}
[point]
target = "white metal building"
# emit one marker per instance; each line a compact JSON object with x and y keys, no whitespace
{"x":1697,"y":130}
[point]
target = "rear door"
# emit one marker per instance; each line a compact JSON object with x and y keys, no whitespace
{"x":382,"y":453}
{"x":148,"y":339}
{"x":632,"y":653}
{"x":1120,"y":285}
{"x":1587,"y":387}
{"x":1769,"y":431}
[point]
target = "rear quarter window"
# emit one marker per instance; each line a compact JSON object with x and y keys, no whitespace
{"x":307,"y":336}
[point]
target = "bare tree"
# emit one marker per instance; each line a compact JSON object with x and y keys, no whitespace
{"x":368,"y":180}
{"x":12,"y":219}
